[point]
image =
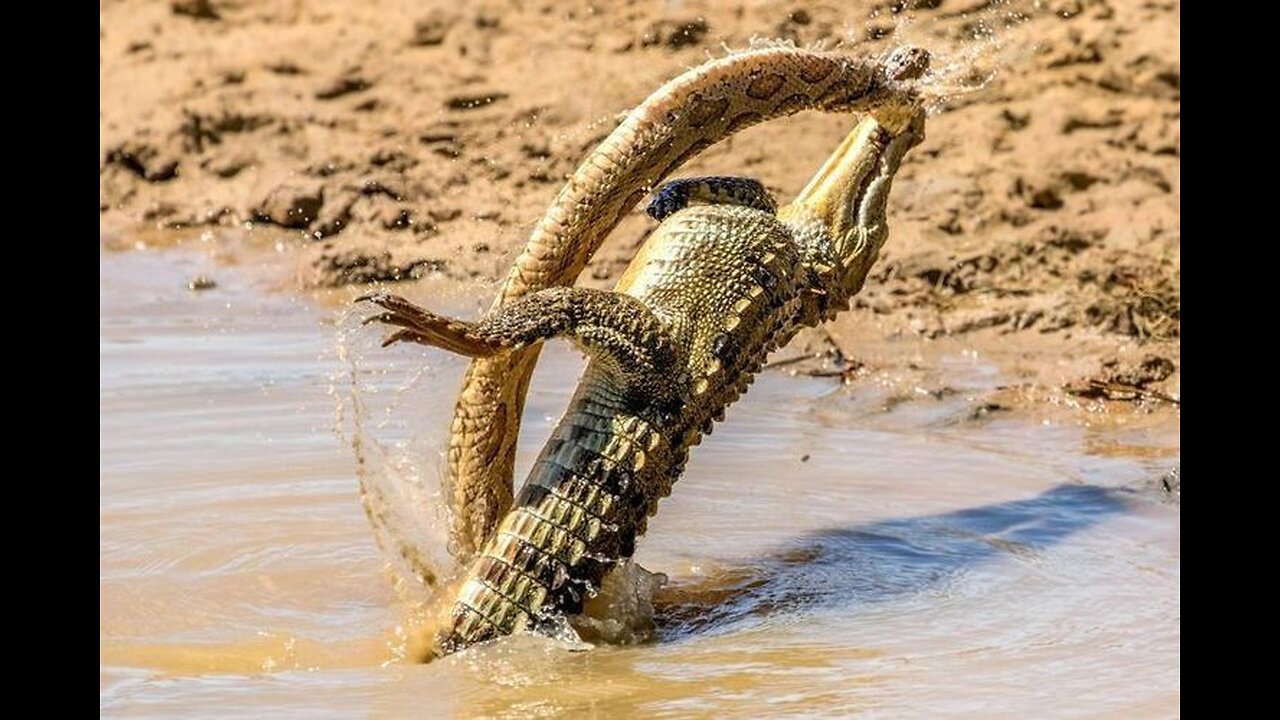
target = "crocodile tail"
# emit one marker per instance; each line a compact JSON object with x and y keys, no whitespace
{"x":684,"y":117}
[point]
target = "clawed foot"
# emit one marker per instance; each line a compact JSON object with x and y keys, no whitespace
{"x":413,"y":321}
{"x":425,"y":327}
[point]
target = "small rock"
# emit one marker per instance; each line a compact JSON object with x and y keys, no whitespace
{"x":228,"y":165}
{"x":440,"y":132}
{"x":1171,"y":484}
{"x":449,"y":150}
{"x":1091,"y":122}
{"x":471,"y":102}
{"x":984,"y":410}
{"x":403,"y":218}
{"x":334,"y":215}
{"x":343,"y":86}
{"x":1131,"y":383}
{"x":285,"y":67}
{"x":536,"y":150}
{"x":902,"y":5}
{"x":981,"y":323}
{"x":1166,"y":488}
{"x":1072,"y":241}
{"x":488,"y":18}
{"x":1024,"y":319}
{"x":444,"y":214}
{"x":160,"y":212}
{"x":675,"y":33}
{"x":392,"y":159}
{"x":198,"y":131}
{"x":432,"y":29}
{"x":1015,"y":121}
{"x":1068,"y":9}
{"x":201,"y":282}
{"x":145,"y":161}
{"x":195,"y":9}
{"x":1151,"y":369}
{"x":290,"y":206}
{"x":330,"y":167}
{"x":1089,"y":53}
{"x":877,"y":32}
{"x":1079,"y":179}
{"x":354,"y":267}
{"x":1046,"y":199}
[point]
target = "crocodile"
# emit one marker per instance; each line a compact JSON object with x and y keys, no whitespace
{"x":724,"y":279}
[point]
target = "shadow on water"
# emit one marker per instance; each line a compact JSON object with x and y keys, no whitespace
{"x":878,"y":562}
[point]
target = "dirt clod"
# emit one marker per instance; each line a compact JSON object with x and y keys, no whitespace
{"x":290,"y":206}
{"x":354,"y":267}
{"x":196,"y":9}
{"x":675,"y":33}
{"x":1129,"y":382}
{"x":200,"y":283}
{"x":342,"y":86}
{"x":471,"y":102}
{"x":433,"y":28}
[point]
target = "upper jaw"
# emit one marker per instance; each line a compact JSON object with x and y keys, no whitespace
{"x":843,"y":207}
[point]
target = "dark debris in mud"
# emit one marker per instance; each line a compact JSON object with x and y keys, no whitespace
{"x":348,"y":267}
{"x":1129,"y":382}
{"x":1137,"y":295}
{"x":1166,"y":488}
{"x":1171,"y":485}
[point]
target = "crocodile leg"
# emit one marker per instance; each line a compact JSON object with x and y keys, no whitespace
{"x":427,"y":328}
{"x":715,"y":190}
{"x":629,"y":343}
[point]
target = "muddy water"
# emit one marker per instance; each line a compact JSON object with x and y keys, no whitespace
{"x":830,"y":552}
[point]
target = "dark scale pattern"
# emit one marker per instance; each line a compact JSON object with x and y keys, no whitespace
{"x":715,"y":190}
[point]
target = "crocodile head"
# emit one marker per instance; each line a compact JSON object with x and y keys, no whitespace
{"x":839,"y":217}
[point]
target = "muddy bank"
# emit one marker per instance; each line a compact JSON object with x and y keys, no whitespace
{"x":391,"y":141}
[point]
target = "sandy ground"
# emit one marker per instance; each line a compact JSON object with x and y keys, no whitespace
{"x":1038,"y":225}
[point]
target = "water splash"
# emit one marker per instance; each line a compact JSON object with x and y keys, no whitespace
{"x":971,"y":47}
{"x":621,"y":612}
{"x":394,"y":467}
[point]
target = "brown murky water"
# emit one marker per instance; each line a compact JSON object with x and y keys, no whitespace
{"x":828,"y":556}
